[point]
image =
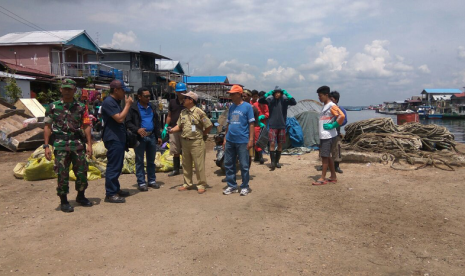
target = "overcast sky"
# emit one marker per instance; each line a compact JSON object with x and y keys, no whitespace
{"x":370,"y":51}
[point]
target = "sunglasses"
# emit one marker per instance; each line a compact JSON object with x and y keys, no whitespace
{"x":146,"y":96}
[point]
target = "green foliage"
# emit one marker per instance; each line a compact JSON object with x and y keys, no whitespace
{"x":50,"y":96}
{"x":12,"y":90}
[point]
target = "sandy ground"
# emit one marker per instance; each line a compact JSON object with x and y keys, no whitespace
{"x":374,"y":221}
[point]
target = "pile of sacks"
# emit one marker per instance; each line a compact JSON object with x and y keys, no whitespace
{"x":38,"y":167}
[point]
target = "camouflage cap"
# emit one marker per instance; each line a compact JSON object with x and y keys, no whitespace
{"x":68,"y":83}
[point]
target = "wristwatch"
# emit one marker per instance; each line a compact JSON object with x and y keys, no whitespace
{"x":45,"y":146}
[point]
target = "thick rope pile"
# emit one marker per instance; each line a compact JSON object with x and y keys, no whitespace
{"x":410,"y":142}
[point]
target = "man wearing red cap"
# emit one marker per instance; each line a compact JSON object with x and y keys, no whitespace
{"x":239,"y":139}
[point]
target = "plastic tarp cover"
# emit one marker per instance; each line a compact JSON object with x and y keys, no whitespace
{"x":308,"y":121}
{"x":294,"y":130}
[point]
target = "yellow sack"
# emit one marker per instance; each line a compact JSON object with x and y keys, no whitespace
{"x":99,"y":150}
{"x":92,"y":174}
{"x":39,"y":153}
{"x":101,"y":166}
{"x":165,"y":162}
{"x":19,"y":169}
{"x":39,"y":169}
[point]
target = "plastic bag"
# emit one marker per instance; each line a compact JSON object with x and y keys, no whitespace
{"x":165,"y":162}
{"x":99,"y":150}
{"x":39,"y":169}
{"x":129,"y":166}
{"x":93,"y":173}
{"x":39,"y":153}
{"x":19,"y":169}
{"x":101,"y":166}
{"x":29,"y":121}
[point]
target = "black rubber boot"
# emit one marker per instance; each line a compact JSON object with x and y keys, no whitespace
{"x":81,"y":199}
{"x":257,"y":156}
{"x":273,"y":160}
{"x":262,"y":161}
{"x":337,"y":168}
{"x":278,"y":156}
{"x":176,"y":166}
{"x":64,"y":206}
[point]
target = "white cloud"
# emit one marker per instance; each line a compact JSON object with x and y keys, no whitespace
{"x":461,"y":52}
{"x":424,"y":69}
{"x":242,"y":77}
{"x":271,"y":62}
{"x":283,"y":74}
{"x":377,"y":49}
{"x":333,"y":58}
{"x":127,"y":41}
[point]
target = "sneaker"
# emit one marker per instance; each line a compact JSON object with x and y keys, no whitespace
{"x":244,"y":191}
{"x":229,"y":191}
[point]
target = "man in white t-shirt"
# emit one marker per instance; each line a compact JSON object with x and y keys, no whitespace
{"x":331,"y":117}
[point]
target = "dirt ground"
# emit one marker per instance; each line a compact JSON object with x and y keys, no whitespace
{"x":374,"y":221}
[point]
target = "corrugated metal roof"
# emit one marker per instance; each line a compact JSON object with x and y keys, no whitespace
{"x":25,"y":70}
{"x":152,"y":54}
{"x":169,"y":65}
{"x":42,"y":37}
{"x":16,"y":76}
{"x":443,"y":90}
{"x":205,"y":79}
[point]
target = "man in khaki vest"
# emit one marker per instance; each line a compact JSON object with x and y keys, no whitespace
{"x":194,"y":126}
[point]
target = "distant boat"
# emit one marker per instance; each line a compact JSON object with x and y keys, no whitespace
{"x":354,"y":109}
{"x":434,"y":116}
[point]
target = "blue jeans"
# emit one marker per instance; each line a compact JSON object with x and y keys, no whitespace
{"x":233,"y":151}
{"x":115,"y":159}
{"x":148,"y":145}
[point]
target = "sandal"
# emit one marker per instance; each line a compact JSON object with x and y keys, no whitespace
{"x":331,"y":180}
{"x":320,"y":182}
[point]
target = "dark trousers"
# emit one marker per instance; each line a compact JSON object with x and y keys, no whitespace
{"x":115,"y":159}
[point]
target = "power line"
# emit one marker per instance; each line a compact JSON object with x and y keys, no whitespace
{"x":29,"y":24}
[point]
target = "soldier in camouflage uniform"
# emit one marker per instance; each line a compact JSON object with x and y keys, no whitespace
{"x":70,"y":125}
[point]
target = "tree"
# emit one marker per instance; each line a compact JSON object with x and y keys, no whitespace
{"x":12,"y":90}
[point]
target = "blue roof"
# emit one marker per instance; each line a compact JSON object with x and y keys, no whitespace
{"x":443,"y":90}
{"x":205,"y":79}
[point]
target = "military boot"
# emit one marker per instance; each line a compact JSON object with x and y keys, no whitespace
{"x":81,"y":199}
{"x":278,"y":156}
{"x":176,"y":166}
{"x":65,"y":206}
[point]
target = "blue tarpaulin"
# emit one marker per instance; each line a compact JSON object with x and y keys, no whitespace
{"x":295,"y":132}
